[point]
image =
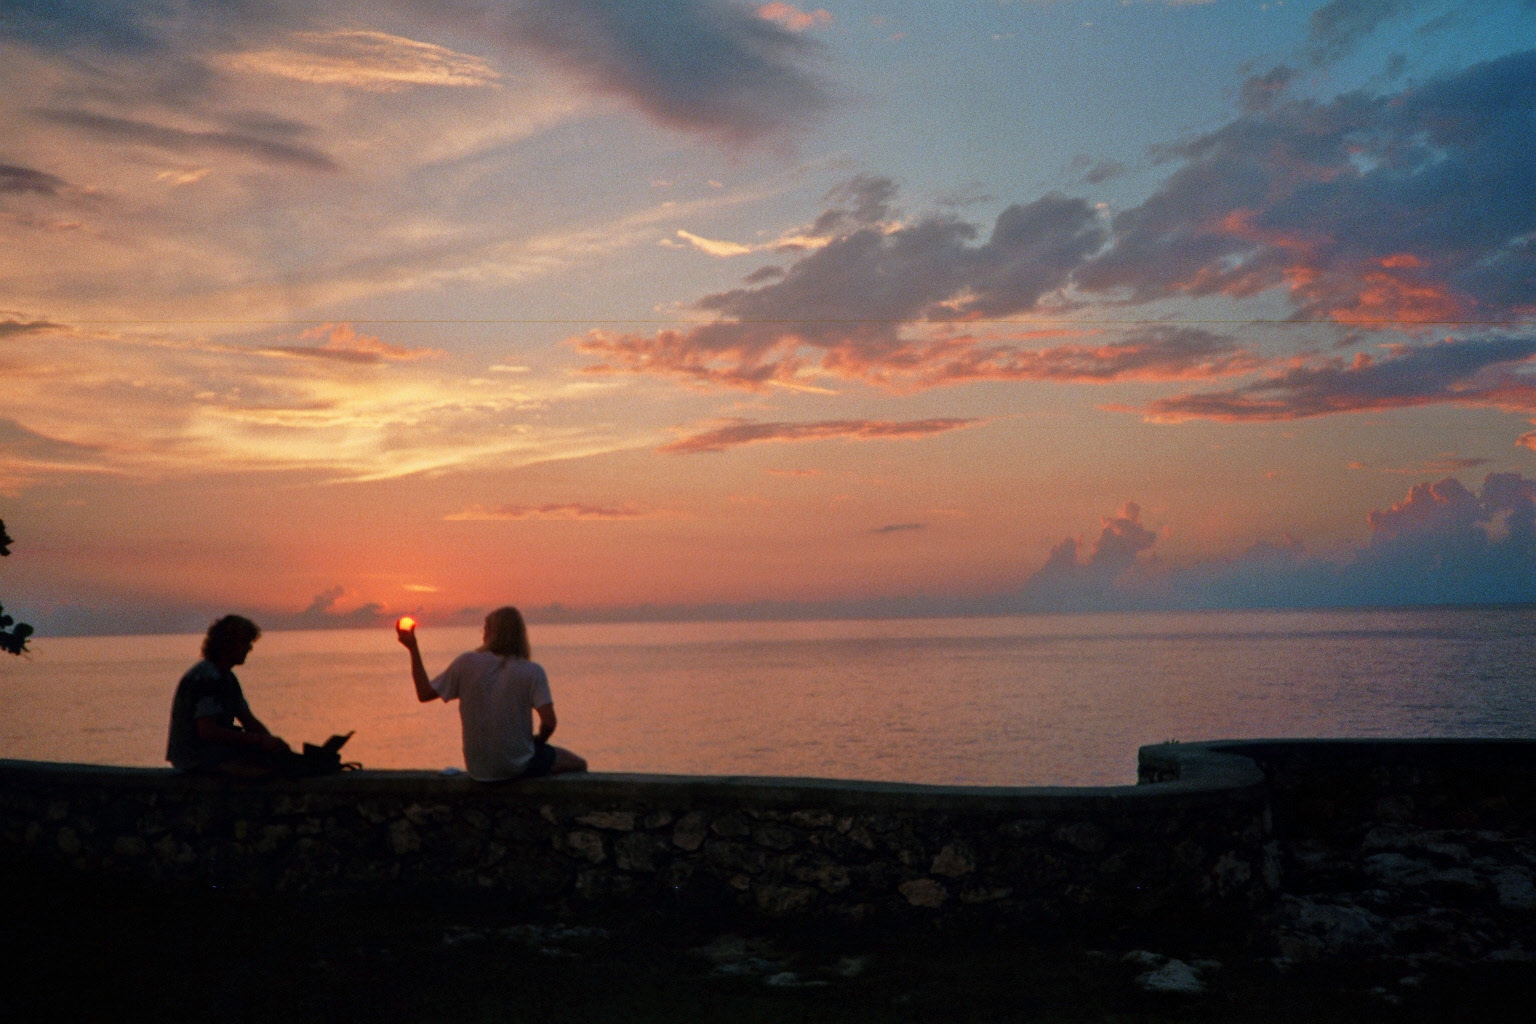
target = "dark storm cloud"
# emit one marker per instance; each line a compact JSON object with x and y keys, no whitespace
{"x":1491,"y":372}
{"x":16,"y":179}
{"x":1410,"y":206}
{"x":120,"y":129}
{"x":840,"y":309}
{"x":14,"y":328}
{"x":709,"y":66}
{"x":926,"y":270}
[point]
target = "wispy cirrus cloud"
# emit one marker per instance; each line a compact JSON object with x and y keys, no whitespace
{"x":27,"y":457}
{"x":712,"y":246}
{"x":253,"y":144}
{"x":343,"y":343}
{"x":714,"y":67}
{"x":571,"y":511}
{"x":1449,"y":462}
{"x":736,"y":433}
{"x":794,"y":240}
{"x":371,"y":61}
{"x":164,"y":407}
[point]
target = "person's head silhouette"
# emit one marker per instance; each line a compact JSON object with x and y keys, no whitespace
{"x":229,"y":640}
{"x":506,"y":633}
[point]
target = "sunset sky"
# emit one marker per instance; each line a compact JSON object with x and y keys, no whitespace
{"x":330,"y":312}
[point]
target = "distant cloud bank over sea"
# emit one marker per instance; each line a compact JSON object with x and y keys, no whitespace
{"x":1442,"y":544}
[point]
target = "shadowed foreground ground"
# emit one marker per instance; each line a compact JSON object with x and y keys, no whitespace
{"x":90,"y":950}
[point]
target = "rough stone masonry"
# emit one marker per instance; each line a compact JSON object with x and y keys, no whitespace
{"x":1217,"y":834}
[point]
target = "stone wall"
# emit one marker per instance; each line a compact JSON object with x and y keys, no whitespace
{"x":1195,"y":848}
{"x":1196,"y":843}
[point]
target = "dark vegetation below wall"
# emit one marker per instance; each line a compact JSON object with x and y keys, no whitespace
{"x":92,"y":949}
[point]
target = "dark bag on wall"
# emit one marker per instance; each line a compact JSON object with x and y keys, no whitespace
{"x":322,"y":760}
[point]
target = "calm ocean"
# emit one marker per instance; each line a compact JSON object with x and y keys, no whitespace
{"x":1000,"y":701}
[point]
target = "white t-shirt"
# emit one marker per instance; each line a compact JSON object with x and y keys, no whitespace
{"x":496,"y":698}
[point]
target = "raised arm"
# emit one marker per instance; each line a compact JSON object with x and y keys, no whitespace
{"x":424,"y":691}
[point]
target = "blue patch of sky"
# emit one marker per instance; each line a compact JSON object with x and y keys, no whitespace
{"x":115,"y":25}
{"x":949,"y":103}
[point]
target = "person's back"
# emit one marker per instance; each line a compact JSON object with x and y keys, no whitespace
{"x":205,"y":691}
{"x":497,"y":695}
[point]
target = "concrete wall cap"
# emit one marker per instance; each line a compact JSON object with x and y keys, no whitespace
{"x":1201,"y":773}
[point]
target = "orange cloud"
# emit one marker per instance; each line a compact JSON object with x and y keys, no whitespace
{"x":741,"y":432}
{"x":753,"y":356}
{"x":792,"y":17}
{"x":343,"y":343}
{"x":371,"y":61}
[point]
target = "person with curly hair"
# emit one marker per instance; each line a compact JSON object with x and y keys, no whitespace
{"x":208,"y":704}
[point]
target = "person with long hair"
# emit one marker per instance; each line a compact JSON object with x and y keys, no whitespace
{"x":499,"y":689}
{"x":208,"y":703}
